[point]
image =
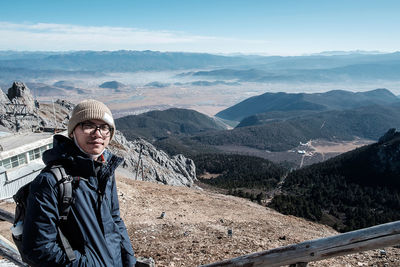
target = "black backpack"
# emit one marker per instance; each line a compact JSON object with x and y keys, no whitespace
{"x":66,"y":185}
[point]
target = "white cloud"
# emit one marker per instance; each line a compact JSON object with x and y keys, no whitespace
{"x":56,"y":37}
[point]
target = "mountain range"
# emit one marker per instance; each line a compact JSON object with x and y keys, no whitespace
{"x":299,"y":102}
{"x":121,"y":61}
{"x":334,"y":67}
{"x":290,"y":119}
{"x":368,"y":122}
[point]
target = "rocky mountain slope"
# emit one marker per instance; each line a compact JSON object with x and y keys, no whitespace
{"x":144,"y":162}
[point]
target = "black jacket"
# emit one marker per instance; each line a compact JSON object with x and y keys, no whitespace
{"x":94,"y":226}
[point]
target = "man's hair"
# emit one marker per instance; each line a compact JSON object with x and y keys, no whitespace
{"x":90,"y":110}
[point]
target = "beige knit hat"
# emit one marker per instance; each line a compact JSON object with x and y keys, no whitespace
{"x":90,"y":110}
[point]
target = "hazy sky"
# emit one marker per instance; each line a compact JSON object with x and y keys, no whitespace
{"x":284,"y":27}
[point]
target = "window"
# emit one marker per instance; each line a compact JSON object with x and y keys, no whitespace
{"x":42,"y":149}
{"x":34,"y":154}
{"x":13,"y":161}
{"x":37,"y":152}
{"x":6,"y":163}
{"x":20,"y":159}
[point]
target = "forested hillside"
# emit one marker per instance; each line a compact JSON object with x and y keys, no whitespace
{"x":354,"y":190}
{"x":288,"y":102}
{"x":158,"y":124}
{"x":245,"y":176}
{"x":279,"y":131}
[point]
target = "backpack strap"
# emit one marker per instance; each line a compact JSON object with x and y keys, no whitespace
{"x":64,"y":182}
{"x":67,"y":246}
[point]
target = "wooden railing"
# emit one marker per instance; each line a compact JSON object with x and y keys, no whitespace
{"x":300,"y":254}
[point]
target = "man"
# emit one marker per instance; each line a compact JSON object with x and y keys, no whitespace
{"x":94,"y":227}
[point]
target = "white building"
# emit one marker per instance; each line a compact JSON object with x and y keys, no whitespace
{"x":21,"y":159}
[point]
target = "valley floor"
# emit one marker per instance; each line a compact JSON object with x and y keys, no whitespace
{"x":311,"y":152}
{"x":195,"y":227}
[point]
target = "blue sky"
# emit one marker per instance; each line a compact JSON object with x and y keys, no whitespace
{"x":280,"y":27}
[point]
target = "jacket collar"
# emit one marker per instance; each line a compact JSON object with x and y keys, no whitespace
{"x":65,"y":152}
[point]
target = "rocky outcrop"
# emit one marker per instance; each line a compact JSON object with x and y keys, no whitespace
{"x":19,"y":93}
{"x":144,"y":162}
{"x":18,"y":109}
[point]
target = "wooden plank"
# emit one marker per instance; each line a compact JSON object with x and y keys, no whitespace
{"x":375,"y":237}
{"x":6,"y":216}
{"x":10,"y":252}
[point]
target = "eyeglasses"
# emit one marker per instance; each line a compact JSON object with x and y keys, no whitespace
{"x":91,"y":128}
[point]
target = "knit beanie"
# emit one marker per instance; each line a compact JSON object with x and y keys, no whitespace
{"x":90,"y":110}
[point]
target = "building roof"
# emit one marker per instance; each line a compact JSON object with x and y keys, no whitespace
{"x":13,"y":144}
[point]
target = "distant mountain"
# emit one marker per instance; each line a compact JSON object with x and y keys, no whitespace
{"x":337,"y":53}
{"x":315,"y":62}
{"x":353,"y":66}
{"x":157,"y":84}
{"x":124,"y":61}
{"x":208,"y":83}
{"x":245,"y":75}
{"x":357,"y":189}
{"x":10,"y":74}
{"x":332,"y":100}
{"x":156,"y":124}
{"x":112,"y":85}
{"x":286,"y":132}
{"x":65,"y":84}
{"x":57,"y":89}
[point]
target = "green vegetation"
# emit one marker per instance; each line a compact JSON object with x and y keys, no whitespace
{"x":183,"y":145}
{"x":300,"y":102}
{"x":157,"y":124}
{"x":244,"y":176}
{"x":357,"y":189}
{"x":282,"y":134}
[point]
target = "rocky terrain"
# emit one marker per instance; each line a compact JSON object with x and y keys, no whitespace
{"x":195,"y":227}
{"x":144,"y":162}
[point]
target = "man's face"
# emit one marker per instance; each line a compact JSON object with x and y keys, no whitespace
{"x":92,"y":142}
